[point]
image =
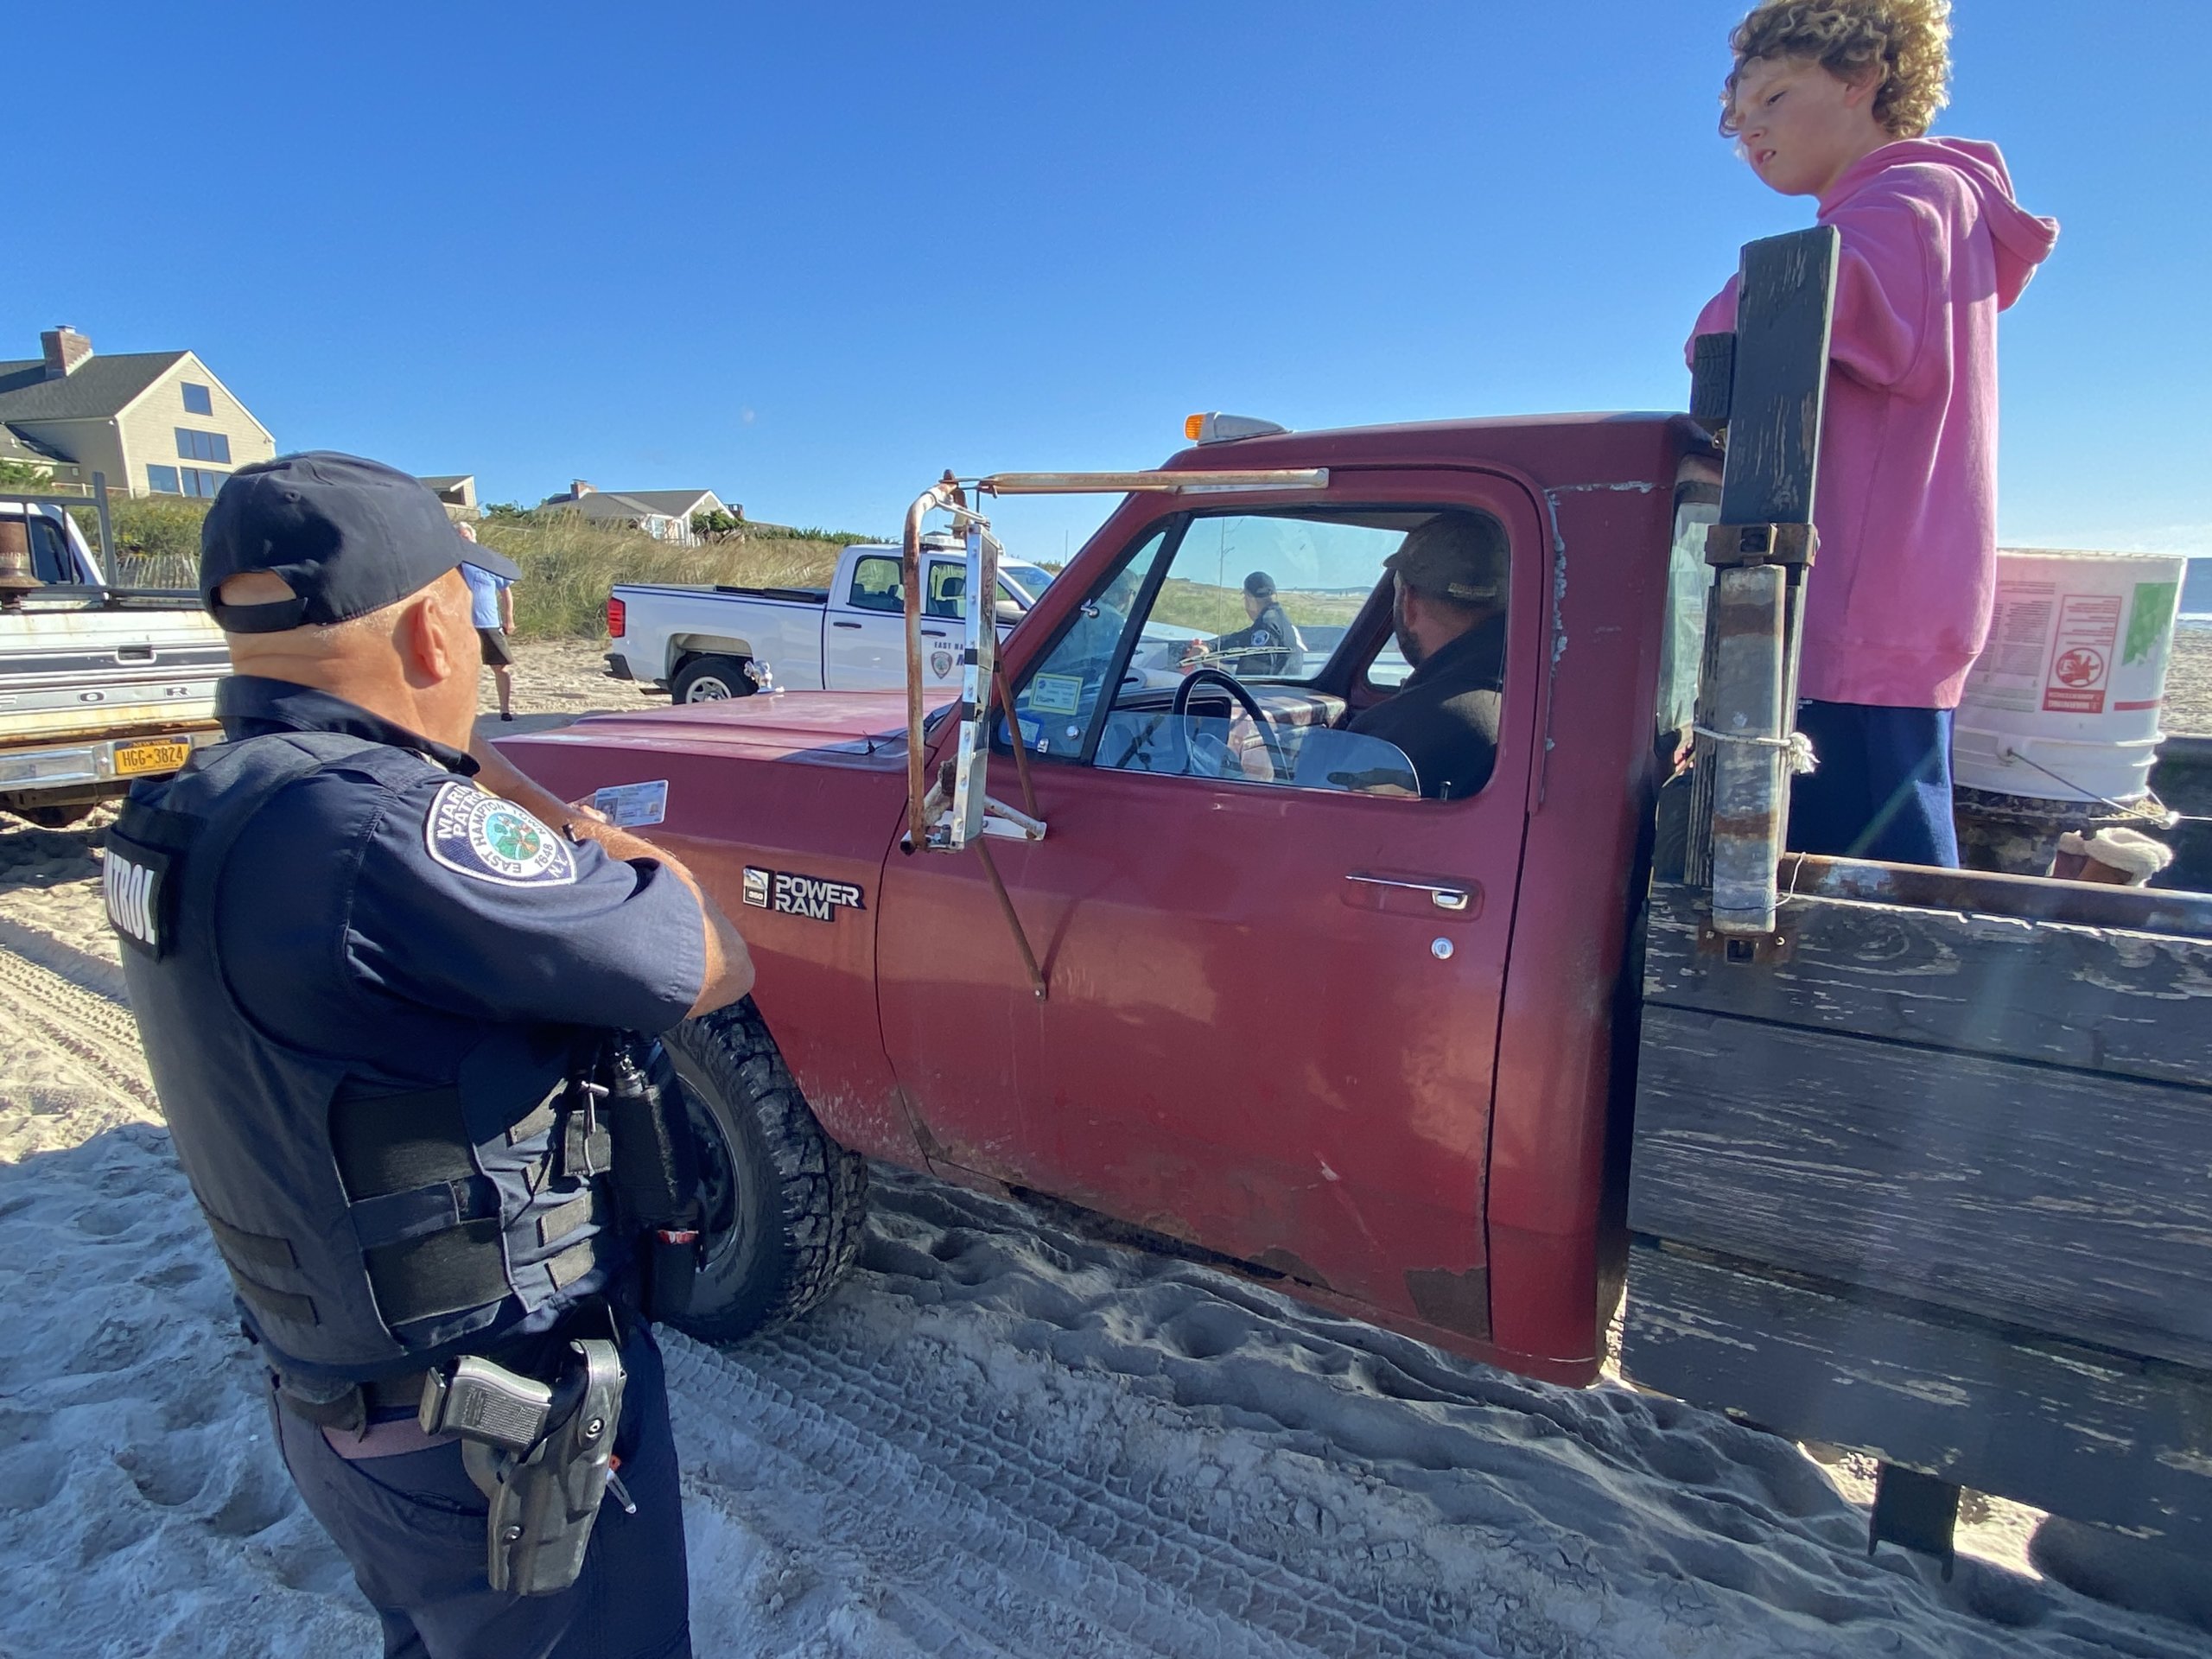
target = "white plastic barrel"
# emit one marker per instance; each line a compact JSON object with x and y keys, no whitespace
{"x":2063,"y":702}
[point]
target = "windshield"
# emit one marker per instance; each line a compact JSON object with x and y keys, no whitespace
{"x":1030,"y":581}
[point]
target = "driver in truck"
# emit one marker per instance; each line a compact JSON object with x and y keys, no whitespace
{"x":1448,"y":613}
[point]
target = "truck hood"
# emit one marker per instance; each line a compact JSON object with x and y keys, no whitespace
{"x":864,"y":729}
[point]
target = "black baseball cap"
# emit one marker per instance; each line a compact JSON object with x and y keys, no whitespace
{"x":1260,"y":585}
{"x":1455,"y":555}
{"x":347,"y":536}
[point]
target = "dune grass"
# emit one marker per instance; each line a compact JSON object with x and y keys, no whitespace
{"x":1220,"y":610}
{"x":157,"y":539}
{"x":568,"y":565}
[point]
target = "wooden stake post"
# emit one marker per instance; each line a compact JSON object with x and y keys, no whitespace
{"x":1771,"y":390}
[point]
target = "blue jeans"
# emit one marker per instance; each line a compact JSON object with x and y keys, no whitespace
{"x":412,"y":1527}
{"x":1883,"y":787}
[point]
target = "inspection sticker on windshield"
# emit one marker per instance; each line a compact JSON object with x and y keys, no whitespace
{"x":629,"y":805}
{"x":1056,"y":694}
{"x":792,"y":894}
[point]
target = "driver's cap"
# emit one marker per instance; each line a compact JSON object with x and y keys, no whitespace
{"x":1460,"y":557}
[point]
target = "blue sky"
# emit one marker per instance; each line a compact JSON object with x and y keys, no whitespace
{"x":810,"y":255}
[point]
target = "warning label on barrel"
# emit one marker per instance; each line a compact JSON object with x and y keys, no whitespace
{"x":2081,"y":654}
{"x":2009,"y":672}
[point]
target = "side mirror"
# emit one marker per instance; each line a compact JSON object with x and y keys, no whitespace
{"x":1010,"y":610}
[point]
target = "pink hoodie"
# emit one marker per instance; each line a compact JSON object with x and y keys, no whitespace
{"x":1934,"y":247}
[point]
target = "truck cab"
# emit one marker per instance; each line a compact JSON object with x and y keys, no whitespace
{"x":1288,"y":1017}
{"x":100,"y":686}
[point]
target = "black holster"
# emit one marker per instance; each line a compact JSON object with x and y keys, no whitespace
{"x":542,"y":1453}
{"x":655,"y":1169}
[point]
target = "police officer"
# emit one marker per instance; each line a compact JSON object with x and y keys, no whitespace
{"x":1271,"y":646}
{"x":374,"y":974}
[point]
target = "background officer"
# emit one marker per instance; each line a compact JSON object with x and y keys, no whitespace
{"x":1271,"y":646}
{"x":373,"y":974}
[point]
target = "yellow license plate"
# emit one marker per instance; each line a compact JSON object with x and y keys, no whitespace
{"x":131,"y":759}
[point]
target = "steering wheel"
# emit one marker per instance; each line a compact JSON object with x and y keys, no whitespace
{"x":1278,"y":763}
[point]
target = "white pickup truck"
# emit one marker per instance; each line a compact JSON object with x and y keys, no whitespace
{"x":100,"y":686}
{"x":705,"y":644}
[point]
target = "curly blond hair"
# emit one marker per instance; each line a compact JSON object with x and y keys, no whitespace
{"x":1906,"y":43}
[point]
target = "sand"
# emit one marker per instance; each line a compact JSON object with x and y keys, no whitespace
{"x":2188,"y":681}
{"x":1003,"y":1437}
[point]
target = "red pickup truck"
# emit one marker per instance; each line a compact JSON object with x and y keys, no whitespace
{"x":1915,"y":1167}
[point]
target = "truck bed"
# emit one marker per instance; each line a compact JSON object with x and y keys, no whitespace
{"x":1926,"y":1176}
{"x":708,"y":590}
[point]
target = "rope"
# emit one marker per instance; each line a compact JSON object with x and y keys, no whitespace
{"x":2158,"y":812}
{"x":1797,"y":747}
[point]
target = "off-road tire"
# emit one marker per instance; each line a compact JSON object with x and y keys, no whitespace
{"x":786,"y":1205}
{"x":711,"y":679}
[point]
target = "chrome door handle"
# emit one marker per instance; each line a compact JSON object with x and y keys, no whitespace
{"x":1444,"y":898}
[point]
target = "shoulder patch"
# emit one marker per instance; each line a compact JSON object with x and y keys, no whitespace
{"x":487,"y":839}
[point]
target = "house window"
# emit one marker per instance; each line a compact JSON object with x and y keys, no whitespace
{"x":162,"y":481}
{"x":202,"y":484}
{"x":201,"y":446}
{"x":197,"y":400}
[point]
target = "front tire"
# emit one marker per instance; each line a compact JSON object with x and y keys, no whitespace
{"x":784,"y":1205}
{"x":711,"y":679}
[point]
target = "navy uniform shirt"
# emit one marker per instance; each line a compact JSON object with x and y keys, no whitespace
{"x":1271,"y":646}
{"x":388,"y":927}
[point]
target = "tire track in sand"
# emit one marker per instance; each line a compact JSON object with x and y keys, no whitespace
{"x":98,"y":1035}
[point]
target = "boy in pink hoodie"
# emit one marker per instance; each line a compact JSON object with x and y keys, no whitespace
{"x":1831,"y":99}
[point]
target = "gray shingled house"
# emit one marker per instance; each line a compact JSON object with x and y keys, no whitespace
{"x":666,"y":515}
{"x":154,"y":423}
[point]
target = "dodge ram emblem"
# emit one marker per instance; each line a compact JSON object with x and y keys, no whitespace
{"x":794,"y":894}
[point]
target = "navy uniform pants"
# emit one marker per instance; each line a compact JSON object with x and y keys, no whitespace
{"x":412,"y":1526}
{"x":1883,"y":787}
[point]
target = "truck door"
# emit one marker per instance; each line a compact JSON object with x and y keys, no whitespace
{"x":1274,"y":972}
{"x":864,"y":636}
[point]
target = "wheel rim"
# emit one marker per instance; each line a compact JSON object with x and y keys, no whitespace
{"x":718,"y":1182}
{"x":708,"y":689}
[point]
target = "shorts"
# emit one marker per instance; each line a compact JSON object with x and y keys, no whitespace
{"x":494,"y":644}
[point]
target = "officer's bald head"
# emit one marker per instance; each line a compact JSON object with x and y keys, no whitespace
{"x":414,"y":661}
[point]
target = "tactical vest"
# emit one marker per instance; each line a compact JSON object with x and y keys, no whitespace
{"x":367,"y":1233}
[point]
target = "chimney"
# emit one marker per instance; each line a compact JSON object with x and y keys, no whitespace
{"x":578,"y":489}
{"x":65,"y":349}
